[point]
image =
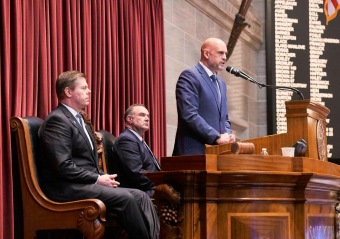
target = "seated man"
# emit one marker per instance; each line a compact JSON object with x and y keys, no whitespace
{"x":132,"y":156}
{"x":71,"y":167}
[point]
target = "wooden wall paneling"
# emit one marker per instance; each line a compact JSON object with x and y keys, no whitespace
{"x":320,"y":221}
{"x":215,"y":202}
{"x":255,"y":196}
{"x":302,"y":118}
{"x":258,"y":225}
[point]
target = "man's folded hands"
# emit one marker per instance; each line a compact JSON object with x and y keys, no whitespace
{"x":108,"y":180}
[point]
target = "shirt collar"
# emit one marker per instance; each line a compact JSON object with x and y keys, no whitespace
{"x":73,"y":111}
{"x":207,"y":70}
{"x":138,"y":136}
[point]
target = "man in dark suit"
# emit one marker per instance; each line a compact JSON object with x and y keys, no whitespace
{"x":71,"y":168}
{"x":202,"y":103}
{"x":131,"y":155}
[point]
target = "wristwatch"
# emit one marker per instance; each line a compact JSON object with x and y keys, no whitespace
{"x":217,"y":137}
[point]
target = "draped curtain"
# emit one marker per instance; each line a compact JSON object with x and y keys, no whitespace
{"x":118,"y":44}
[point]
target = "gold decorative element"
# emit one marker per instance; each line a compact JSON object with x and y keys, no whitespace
{"x":166,"y":193}
{"x":90,"y":228}
{"x":170,"y":232}
{"x":169,"y":215}
{"x":169,"y":219}
{"x":167,"y":199}
{"x":321,"y":140}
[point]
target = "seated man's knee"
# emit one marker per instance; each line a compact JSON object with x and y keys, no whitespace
{"x":128,"y":196}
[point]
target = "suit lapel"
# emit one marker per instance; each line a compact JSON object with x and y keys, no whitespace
{"x":210,"y":84}
{"x":141,"y":145}
{"x":75,"y":123}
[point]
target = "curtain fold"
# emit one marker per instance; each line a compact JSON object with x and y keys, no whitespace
{"x":118,"y":44}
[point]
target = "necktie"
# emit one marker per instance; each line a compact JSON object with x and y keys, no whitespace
{"x":153,"y":156}
{"x":214,"y":80}
{"x":80,"y":120}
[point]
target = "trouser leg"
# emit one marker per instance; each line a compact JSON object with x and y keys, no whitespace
{"x":149,"y":211}
{"x":129,"y":211}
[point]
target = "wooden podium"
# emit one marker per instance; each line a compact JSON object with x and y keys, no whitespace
{"x":255,"y":196}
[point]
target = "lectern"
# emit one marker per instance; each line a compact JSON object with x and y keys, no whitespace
{"x":255,"y":196}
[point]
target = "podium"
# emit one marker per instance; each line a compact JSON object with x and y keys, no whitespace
{"x":255,"y":196}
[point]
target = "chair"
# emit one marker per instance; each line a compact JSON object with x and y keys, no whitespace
{"x":165,"y":196}
{"x":39,"y":212}
{"x":108,"y":142}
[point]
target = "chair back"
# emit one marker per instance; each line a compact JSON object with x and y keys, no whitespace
{"x":33,"y":125}
{"x":108,"y":142}
{"x":38,"y":212}
{"x":27,"y":144}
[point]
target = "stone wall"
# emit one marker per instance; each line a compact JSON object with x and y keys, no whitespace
{"x":187,"y":23}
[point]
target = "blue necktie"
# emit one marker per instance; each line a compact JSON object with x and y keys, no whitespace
{"x":153,"y":156}
{"x":80,"y":119}
{"x":214,"y":80}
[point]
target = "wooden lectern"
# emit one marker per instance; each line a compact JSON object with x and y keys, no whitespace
{"x":255,"y":196}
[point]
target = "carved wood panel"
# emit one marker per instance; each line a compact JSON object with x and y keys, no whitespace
{"x":320,"y":226}
{"x":258,"y":225}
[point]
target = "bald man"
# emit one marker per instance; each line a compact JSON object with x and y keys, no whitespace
{"x":202,"y":102}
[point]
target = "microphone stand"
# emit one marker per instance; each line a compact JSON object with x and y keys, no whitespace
{"x":260,"y":85}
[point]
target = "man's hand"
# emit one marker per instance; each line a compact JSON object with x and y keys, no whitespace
{"x":108,"y":180}
{"x":232,"y":138}
{"x":226,"y":138}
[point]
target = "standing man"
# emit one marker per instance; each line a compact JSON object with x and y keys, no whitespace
{"x":132,"y":156}
{"x":202,"y":103}
{"x":71,"y":167}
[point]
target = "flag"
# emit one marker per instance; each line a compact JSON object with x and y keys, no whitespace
{"x":331,"y":8}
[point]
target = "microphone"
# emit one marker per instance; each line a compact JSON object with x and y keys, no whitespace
{"x":243,"y":75}
{"x":239,"y":73}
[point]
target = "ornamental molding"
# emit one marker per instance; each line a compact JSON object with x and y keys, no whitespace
{"x":223,"y":12}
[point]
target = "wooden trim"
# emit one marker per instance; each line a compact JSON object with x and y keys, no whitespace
{"x":41,"y":213}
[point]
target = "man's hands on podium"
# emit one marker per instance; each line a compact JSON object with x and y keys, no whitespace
{"x":226,"y":138}
{"x":108,"y":180}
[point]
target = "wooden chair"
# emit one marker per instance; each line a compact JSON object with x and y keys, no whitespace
{"x":39,"y":212}
{"x":108,"y":142}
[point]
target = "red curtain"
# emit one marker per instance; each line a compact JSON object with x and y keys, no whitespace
{"x":119,"y":45}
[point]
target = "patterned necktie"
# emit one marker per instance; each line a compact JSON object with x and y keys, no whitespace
{"x":153,"y":156}
{"x":214,"y":80}
{"x":80,"y":120}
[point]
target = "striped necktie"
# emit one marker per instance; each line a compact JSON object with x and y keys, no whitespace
{"x":153,"y":156}
{"x":214,"y":80}
{"x":80,"y":120}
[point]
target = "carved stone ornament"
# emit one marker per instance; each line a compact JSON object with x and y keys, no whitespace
{"x":321,"y":140}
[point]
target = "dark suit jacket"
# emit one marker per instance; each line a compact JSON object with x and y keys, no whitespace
{"x":131,"y":160}
{"x":200,"y":117}
{"x":71,"y":166}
